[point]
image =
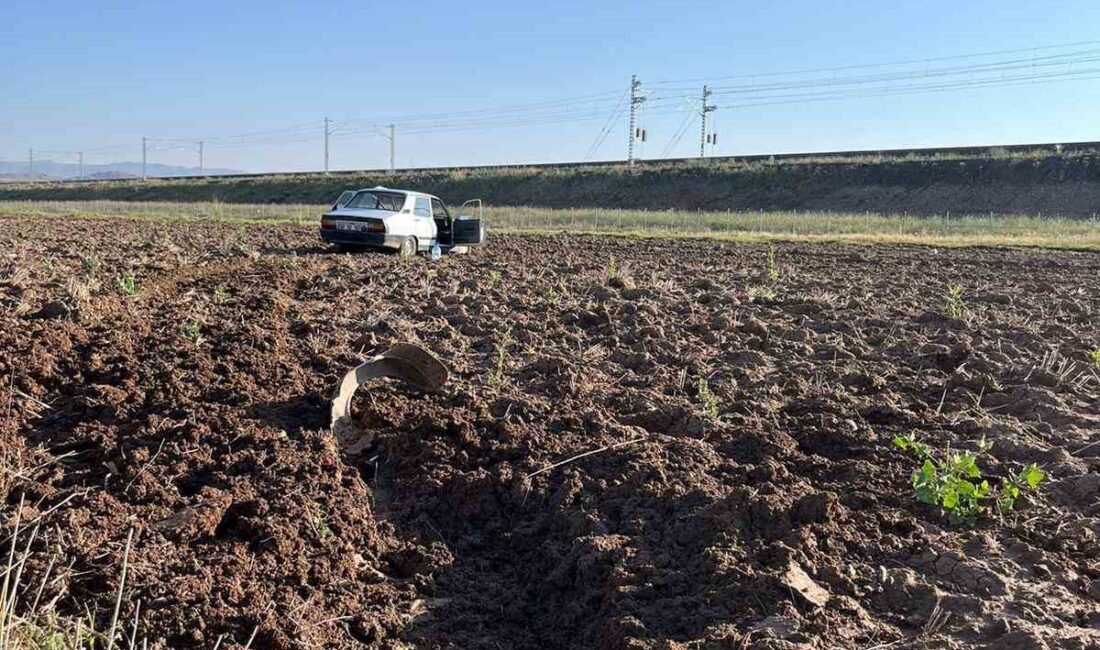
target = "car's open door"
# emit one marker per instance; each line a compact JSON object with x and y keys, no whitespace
{"x":469,"y":227}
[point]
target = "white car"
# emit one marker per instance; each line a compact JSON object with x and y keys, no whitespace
{"x":403,"y":221}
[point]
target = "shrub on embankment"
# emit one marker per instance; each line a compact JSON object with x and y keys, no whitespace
{"x":1066,"y":185}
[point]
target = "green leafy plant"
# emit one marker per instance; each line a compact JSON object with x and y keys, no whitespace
{"x":89,"y":264}
{"x":193,"y":331}
{"x":556,"y":294}
{"x":953,"y":481}
{"x":709,"y":400}
{"x":496,"y":374}
{"x":612,"y":269}
{"x":494,"y":278}
{"x":771,"y":267}
{"x":1094,"y":356}
{"x":128,"y":285}
{"x":319,"y":522}
{"x":953,"y":305}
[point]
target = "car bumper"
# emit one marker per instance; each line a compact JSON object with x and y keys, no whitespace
{"x":351,"y":238}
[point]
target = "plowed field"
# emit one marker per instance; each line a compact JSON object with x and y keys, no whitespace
{"x":741,"y":488}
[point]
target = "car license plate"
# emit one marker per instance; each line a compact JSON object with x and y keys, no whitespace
{"x":351,"y":225}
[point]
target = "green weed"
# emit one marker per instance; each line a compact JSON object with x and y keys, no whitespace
{"x":953,"y":305}
{"x":319,"y":521}
{"x":128,"y":285}
{"x":89,"y":264}
{"x":496,"y":374}
{"x":193,"y":331}
{"x":709,"y":400}
{"x":771,"y":267}
{"x":952,"y":481}
{"x":1094,"y":356}
{"x":558,"y":293}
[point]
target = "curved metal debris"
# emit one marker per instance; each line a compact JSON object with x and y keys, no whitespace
{"x":407,"y":362}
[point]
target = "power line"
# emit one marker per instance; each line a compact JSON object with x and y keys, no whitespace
{"x":606,"y":130}
{"x":861,"y":66}
{"x":985,"y":69}
{"x":678,"y":134}
{"x":797,"y":98}
{"x":1047,"y":64}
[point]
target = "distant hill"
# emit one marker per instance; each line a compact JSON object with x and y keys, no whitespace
{"x":48,"y":170}
{"x":109,"y":175}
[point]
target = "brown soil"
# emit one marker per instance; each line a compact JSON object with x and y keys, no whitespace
{"x":195,"y":414}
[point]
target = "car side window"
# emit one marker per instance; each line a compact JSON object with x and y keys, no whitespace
{"x":439,"y":211}
{"x":421,"y":209}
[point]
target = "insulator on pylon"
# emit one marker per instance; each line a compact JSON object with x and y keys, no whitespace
{"x":643,"y":135}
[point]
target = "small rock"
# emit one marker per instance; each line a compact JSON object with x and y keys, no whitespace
{"x":636,"y":293}
{"x":1019,"y":640}
{"x":198,"y":520}
{"x":52,"y":311}
{"x":756,"y":327}
{"x":777,"y":627}
{"x":621,"y":282}
{"x":998,"y":628}
{"x":799,"y":581}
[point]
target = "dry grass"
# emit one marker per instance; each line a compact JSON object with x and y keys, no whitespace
{"x":30,"y":619}
{"x":35,"y":575}
{"x":1081,"y":234}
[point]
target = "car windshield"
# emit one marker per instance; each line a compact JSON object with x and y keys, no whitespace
{"x":373,"y":200}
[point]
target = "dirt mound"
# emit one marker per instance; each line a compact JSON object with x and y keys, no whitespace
{"x":739,"y":487}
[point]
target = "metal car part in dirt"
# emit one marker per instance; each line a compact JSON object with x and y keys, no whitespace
{"x":408,"y":362}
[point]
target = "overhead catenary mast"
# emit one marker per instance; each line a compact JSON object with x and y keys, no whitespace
{"x":327,"y":131}
{"x":704,"y":137}
{"x":636,"y":98}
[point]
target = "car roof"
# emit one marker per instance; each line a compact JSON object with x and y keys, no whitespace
{"x":394,"y":189}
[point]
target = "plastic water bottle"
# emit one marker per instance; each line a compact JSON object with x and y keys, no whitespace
{"x":437,"y":252}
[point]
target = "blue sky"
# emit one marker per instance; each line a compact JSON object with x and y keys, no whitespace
{"x":83,"y":75}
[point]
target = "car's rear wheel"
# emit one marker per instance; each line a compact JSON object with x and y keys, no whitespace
{"x":408,"y":247}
